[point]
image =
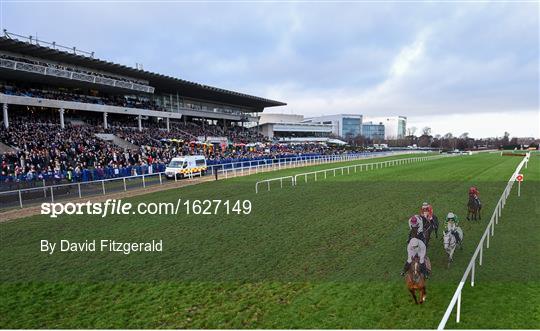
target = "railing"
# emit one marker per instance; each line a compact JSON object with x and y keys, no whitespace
{"x":35,"y":195}
{"x":354,"y":167}
{"x":478,"y":253}
{"x":68,"y":74}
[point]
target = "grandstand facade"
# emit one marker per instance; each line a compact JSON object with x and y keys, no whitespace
{"x":81,"y":87}
{"x":68,"y":117}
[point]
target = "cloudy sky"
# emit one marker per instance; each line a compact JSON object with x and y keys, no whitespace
{"x":456,"y":67}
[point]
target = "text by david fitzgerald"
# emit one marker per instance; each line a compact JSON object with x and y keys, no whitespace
{"x":103,"y":245}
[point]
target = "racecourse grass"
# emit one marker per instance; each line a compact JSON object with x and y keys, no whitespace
{"x":324,"y":254}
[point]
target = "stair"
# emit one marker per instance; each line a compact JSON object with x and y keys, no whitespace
{"x":116,"y":140}
{"x":5,"y":148}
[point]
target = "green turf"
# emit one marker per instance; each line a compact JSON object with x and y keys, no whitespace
{"x":324,"y":254}
{"x":507,"y":289}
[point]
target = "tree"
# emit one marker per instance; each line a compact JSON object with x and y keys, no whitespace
{"x":426,"y":131}
{"x":411,"y":131}
{"x":464,"y":135}
{"x":506,"y":138}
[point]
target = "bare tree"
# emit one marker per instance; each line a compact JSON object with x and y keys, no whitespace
{"x":448,"y":135}
{"x":464,"y":135}
{"x":411,"y":131}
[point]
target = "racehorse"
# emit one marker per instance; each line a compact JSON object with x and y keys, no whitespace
{"x":428,"y":228}
{"x":473,"y":208}
{"x":450,"y":243}
{"x":433,"y":223}
{"x":415,"y":280}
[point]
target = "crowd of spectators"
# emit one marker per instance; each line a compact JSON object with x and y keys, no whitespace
{"x":43,"y":150}
{"x":109,"y":100}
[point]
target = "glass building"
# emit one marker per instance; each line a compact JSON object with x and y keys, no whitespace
{"x":343,"y":125}
{"x":373,"y":131}
{"x":351,"y":127}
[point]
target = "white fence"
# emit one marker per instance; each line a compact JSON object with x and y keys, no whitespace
{"x":354,"y":168}
{"x":30,"y":196}
{"x":478,"y":253}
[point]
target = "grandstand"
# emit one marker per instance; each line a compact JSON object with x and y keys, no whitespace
{"x":65,"y":112}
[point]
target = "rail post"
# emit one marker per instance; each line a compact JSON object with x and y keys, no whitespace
{"x":143,"y":182}
{"x":52,"y":194}
{"x":20,"y":199}
{"x":481,"y":253}
{"x":125,"y":186}
{"x":458,"y":307}
{"x":103,"y":186}
{"x":79,"y":188}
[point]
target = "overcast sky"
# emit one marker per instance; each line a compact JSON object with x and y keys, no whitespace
{"x":466,"y":67}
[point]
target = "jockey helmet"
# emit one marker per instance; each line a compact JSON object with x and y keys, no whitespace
{"x":414,"y":243}
{"x":451,"y":216}
{"x":414,"y":220}
{"x":425,"y":204}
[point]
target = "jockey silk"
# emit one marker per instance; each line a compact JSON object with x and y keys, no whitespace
{"x":420,"y":251}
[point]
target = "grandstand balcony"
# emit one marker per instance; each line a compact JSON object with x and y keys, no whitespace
{"x":73,"y":75}
{"x":81,"y":81}
{"x":176,"y":113}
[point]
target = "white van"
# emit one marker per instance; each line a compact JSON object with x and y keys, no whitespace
{"x":186,"y":166}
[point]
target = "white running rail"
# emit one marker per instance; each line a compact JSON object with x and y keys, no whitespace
{"x":333,"y":171}
{"x":456,"y":299}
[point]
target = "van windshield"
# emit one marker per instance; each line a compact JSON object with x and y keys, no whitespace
{"x":176,"y":164}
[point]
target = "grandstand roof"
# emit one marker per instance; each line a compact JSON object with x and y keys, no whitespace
{"x":162,"y":83}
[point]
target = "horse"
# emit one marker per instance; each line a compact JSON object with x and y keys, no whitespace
{"x":428,"y":228}
{"x":415,"y":280}
{"x":450,"y":242}
{"x":473,"y":208}
{"x":433,"y":223}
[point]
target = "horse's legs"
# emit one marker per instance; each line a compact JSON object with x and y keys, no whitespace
{"x":423,"y":294}
{"x":413,"y":295}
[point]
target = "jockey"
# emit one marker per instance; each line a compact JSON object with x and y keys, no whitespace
{"x":417,"y":223}
{"x":451,"y":224}
{"x":473,"y":192}
{"x":416,"y":248}
{"x":427,"y":208}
